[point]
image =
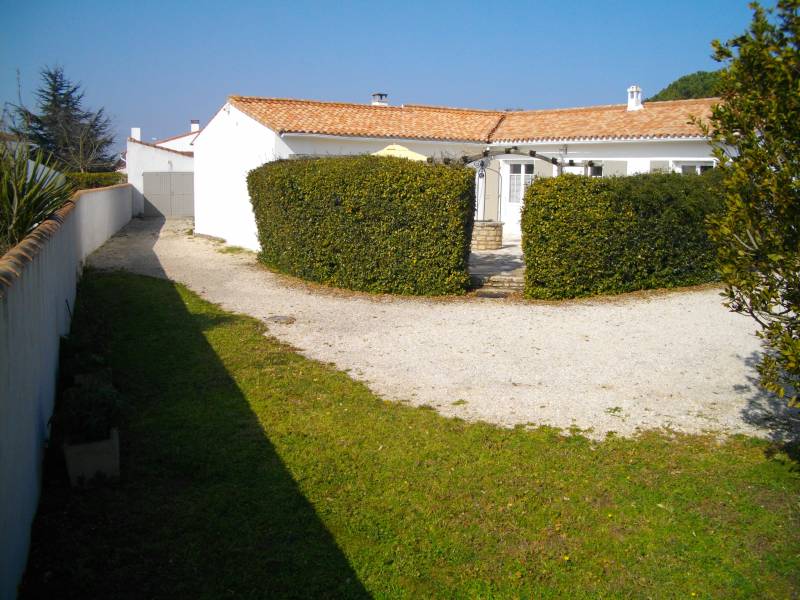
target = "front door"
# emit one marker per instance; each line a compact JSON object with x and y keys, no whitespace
{"x":517,"y":177}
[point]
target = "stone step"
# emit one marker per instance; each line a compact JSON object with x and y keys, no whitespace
{"x":511,"y":283}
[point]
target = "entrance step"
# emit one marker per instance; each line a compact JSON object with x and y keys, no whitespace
{"x":505,"y":282}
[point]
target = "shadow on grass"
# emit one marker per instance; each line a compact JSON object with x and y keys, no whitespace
{"x":205,"y":508}
{"x":772,"y":413}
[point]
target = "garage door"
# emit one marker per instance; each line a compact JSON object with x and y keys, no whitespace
{"x":168,"y":194}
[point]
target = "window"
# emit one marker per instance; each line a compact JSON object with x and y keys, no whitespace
{"x":696,"y":168}
{"x":521,"y":178}
{"x":596,"y":171}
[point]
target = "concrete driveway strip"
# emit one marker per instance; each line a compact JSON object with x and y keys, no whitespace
{"x":675,"y":360}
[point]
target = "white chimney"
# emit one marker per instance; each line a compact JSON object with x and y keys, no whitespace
{"x":194,"y":125}
{"x":136,"y":133}
{"x":635,"y":98}
{"x":380,"y":99}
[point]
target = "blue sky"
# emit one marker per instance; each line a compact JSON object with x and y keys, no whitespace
{"x":159,"y":64}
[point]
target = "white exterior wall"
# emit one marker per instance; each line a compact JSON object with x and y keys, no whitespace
{"x":141,"y":158}
{"x":636,"y":154}
{"x":34,"y":312}
{"x":233,"y":144}
{"x":340,"y":145}
{"x":181,"y":144}
{"x":228,"y":148}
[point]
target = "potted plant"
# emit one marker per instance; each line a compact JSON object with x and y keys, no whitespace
{"x":86,"y":419}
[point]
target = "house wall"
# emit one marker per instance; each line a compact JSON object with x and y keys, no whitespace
{"x":228,"y":148}
{"x":617,"y":158}
{"x":232,"y":144}
{"x":339,"y":146}
{"x":141,"y":158}
{"x":182,"y":144}
{"x":37,"y":293}
{"x":637,"y":155}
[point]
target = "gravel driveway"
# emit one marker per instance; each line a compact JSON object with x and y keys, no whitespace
{"x":676,"y":360}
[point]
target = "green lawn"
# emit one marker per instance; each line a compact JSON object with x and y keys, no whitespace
{"x":252,"y":472}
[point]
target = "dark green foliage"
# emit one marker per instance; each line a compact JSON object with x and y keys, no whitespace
{"x":30,"y":191}
{"x":584,"y":236}
{"x":76,"y":138}
{"x":368,"y":223}
{"x":88,"y":405}
{"x":83,"y":181}
{"x":759,"y":233}
{"x":87,"y":412}
{"x":702,"y":84}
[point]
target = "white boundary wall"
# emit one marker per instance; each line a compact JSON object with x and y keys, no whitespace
{"x":38,"y":280}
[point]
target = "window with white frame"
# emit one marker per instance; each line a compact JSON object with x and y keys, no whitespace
{"x":521,"y":178}
{"x":695,"y":168}
{"x":596,"y":171}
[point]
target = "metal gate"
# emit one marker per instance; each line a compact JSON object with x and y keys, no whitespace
{"x":168,"y":194}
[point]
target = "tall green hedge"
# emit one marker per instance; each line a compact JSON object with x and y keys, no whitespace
{"x":83,"y":181}
{"x":583,"y":236}
{"x":369,"y":223}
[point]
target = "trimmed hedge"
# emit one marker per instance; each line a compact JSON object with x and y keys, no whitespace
{"x":377,"y":224}
{"x":83,"y":181}
{"x":583,"y":236}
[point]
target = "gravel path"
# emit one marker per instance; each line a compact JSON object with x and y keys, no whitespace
{"x":677,"y":360}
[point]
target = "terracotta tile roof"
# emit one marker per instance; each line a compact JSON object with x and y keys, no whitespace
{"x":414,"y":121}
{"x":365,"y":120}
{"x":130,"y":139}
{"x":655,"y":120}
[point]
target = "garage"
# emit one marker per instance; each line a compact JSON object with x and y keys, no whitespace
{"x":168,"y":194}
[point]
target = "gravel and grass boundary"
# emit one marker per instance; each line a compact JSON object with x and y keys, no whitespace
{"x":674,"y":360}
{"x":250,"y":471}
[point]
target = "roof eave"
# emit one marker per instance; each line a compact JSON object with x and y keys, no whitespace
{"x":312,"y":134}
{"x":181,"y":152}
{"x":601,"y":139}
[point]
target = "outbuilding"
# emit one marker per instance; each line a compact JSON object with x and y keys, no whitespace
{"x":162,"y":173}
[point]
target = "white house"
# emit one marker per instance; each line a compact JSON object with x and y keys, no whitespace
{"x":162,"y":173}
{"x":508,"y":148}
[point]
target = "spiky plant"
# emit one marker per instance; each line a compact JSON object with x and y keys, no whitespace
{"x":30,"y":191}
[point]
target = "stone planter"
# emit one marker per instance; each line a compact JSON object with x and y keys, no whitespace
{"x":87,"y":461}
{"x":487,"y":235}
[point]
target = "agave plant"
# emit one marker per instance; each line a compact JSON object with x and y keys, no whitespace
{"x":30,"y":191}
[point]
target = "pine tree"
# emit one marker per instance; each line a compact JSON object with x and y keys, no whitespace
{"x":76,"y":138}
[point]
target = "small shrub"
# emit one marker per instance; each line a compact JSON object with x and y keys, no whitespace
{"x":584,"y":236}
{"x":87,"y":412}
{"x":84,"y":181}
{"x":88,"y":404}
{"x":369,"y":223}
{"x":30,"y":192}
